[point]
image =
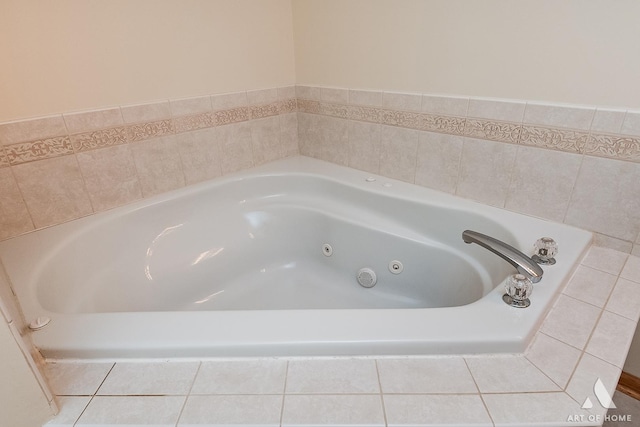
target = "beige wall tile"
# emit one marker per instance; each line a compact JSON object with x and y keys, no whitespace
{"x":308,"y":92}
{"x":14,"y":216}
{"x":32,"y":129}
{"x":631,"y":124}
{"x":86,"y":121}
{"x":485,"y":171}
{"x":607,"y":120}
{"x":262,"y":96}
{"x":309,"y":134}
{"x":335,"y":140}
{"x":53,"y":190}
{"x":542,"y":182}
{"x":334,"y":95}
{"x":188,"y":106}
{"x":438,"y":161}
{"x":286,"y":92}
{"x":398,"y":149}
{"x":289,"y":134}
{"x":235,"y":147}
{"x":226,"y":101}
{"x":265,"y":139}
{"x":158,"y":164}
{"x":612,"y":243}
{"x":146,"y":112}
{"x":110,"y":176}
{"x":200,"y":155}
{"x":494,"y":109}
{"x":445,"y":105}
{"x":402,"y":101}
{"x":606,"y":198}
{"x":364,"y":146}
{"x":365,"y":97}
{"x":559,"y":115}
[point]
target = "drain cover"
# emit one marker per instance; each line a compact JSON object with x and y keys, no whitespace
{"x":367,"y":277}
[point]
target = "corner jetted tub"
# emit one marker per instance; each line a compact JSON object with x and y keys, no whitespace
{"x":265,"y":263}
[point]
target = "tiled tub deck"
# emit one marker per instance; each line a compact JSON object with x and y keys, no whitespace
{"x":585,"y":336}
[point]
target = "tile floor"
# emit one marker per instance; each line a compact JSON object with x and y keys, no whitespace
{"x":574,"y":346}
{"x":304,"y":392}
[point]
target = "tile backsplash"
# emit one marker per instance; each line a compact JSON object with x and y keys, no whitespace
{"x":62,"y":167}
{"x":574,"y":164}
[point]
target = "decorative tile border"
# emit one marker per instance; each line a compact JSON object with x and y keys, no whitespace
{"x":99,"y":139}
{"x":37,"y":150}
{"x":142,"y":131}
{"x":24,"y":152}
{"x":234,"y":115}
{"x":614,"y":146}
{"x":4,"y":162}
{"x":621,"y":147}
{"x":554,"y":139}
{"x":493,"y":131}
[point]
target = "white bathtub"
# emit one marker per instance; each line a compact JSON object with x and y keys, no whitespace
{"x":236,"y":267}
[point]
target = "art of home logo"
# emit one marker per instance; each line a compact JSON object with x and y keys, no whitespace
{"x":605,"y":401}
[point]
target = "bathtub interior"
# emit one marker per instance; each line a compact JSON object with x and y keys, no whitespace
{"x":256,"y":243}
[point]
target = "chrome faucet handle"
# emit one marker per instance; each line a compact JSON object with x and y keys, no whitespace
{"x":523,"y":264}
{"x":545,"y":250}
{"x":519,"y":289}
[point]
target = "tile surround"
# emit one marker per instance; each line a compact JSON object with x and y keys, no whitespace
{"x":553,"y":380}
{"x":593,"y":134}
{"x":62,"y":167}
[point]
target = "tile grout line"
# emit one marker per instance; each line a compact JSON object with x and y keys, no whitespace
{"x":284,"y":392}
{"x":573,"y":188}
{"x":184,"y":404}
{"x":584,"y":350}
{"x":382,"y":403}
{"x":486,"y":408}
{"x":94,"y":395}
{"x":83,"y":411}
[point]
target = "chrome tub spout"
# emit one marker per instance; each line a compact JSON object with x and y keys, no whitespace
{"x":520,"y":261}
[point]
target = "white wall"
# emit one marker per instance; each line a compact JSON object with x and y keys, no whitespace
{"x":573,"y":51}
{"x":72,"y":55}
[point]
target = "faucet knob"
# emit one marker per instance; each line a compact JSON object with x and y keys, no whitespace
{"x":545,"y":250}
{"x":519,"y":288}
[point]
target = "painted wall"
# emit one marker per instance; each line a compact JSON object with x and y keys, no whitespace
{"x":573,"y":51}
{"x":22,"y":402}
{"x":73,"y":55}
